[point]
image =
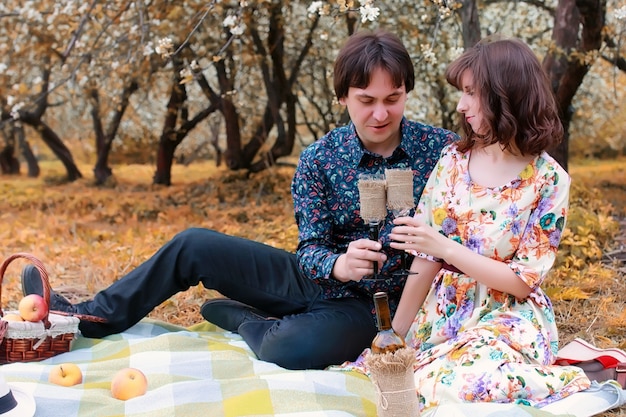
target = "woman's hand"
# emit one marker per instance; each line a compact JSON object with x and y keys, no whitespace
{"x":358,"y":261}
{"x":414,"y":235}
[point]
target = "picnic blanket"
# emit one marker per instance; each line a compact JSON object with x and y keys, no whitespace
{"x":205,"y":371}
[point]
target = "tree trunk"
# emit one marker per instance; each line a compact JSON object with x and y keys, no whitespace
{"x":9,"y":165}
{"x":470,"y":22}
{"x":177,"y":110}
{"x":104,"y":140}
{"x":165,"y":158}
{"x":279,"y":89}
{"x":26,"y":151}
{"x":232,"y":155}
{"x":565,"y":71}
{"x":167,"y":142}
{"x":55,"y":144}
{"x":50,"y":138}
{"x":101,"y":170}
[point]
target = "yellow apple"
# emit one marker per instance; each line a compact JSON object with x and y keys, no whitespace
{"x":33,"y":308}
{"x":128,"y":383}
{"x":12,"y":317}
{"x":66,"y":374}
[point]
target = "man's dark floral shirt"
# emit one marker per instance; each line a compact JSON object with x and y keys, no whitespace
{"x":326,"y":202}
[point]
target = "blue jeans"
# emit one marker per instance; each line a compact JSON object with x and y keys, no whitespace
{"x":312,"y":332}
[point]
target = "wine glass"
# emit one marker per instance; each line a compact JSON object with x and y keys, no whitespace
{"x":400,"y":201}
{"x":372,"y":198}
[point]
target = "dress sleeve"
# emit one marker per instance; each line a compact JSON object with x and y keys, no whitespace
{"x":539,"y":243}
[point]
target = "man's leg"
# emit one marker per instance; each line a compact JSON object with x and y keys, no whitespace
{"x":330,"y":333}
{"x":245,"y":270}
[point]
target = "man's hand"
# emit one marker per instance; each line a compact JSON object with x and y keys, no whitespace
{"x":358,"y":261}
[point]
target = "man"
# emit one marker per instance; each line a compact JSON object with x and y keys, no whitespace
{"x":310,"y":309}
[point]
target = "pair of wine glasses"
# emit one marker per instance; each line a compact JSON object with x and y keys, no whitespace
{"x":383,"y":193}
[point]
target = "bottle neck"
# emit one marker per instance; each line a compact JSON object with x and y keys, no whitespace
{"x":383,"y":314}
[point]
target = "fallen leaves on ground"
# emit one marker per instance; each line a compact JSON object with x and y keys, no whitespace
{"x":88,"y":237}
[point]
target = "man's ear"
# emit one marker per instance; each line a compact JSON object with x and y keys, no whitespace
{"x":342,"y":101}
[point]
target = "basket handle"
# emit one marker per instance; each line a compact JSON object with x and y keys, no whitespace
{"x":42,"y":273}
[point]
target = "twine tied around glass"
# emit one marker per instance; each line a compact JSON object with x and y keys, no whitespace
{"x":400,"y":201}
{"x":373,"y":201}
{"x":392,"y":376}
{"x":373,"y":197}
{"x":399,"y":190}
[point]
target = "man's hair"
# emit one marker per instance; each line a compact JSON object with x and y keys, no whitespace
{"x":516,"y":100}
{"x":366,"y":51}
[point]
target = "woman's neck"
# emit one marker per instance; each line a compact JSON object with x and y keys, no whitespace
{"x":492,"y":166}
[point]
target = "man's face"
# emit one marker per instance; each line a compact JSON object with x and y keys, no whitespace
{"x":376,"y":112}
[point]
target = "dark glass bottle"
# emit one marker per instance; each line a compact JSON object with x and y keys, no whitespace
{"x":386,"y":340}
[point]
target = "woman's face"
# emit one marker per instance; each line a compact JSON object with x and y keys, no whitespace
{"x":469,"y":104}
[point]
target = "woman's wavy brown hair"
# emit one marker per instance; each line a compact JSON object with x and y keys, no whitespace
{"x":514,"y":91}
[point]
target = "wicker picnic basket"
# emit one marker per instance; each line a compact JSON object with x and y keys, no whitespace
{"x":22,"y":341}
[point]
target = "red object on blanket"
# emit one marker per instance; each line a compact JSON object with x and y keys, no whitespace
{"x":578,"y":351}
{"x":581,"y":353}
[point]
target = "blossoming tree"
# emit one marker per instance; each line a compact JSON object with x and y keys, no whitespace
{"x":252,"y":79}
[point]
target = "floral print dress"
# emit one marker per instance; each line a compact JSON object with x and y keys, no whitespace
{"x":476,"y":344}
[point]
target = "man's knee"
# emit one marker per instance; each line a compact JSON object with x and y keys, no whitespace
{"x":294,"y":344}
{"x":197,"y":241}
{"x":194,"y":234}
{"x":296,"y":358}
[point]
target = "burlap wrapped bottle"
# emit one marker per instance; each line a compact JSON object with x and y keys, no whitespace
{"x":392,"y":375}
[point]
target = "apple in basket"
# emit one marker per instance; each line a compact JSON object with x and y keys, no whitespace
{"x":128,"y":383}
{"x":65,"y":374}
{"x":33,"y":308}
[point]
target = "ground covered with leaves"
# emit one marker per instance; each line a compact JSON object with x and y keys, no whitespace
{"x":87,"y":237}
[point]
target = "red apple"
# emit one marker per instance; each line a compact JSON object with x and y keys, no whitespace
{"x":128,"y":383}
{"x":65,"y":374}
{"x":33,"y":308}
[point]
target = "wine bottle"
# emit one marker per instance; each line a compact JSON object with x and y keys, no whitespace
{"x":386,"y":340}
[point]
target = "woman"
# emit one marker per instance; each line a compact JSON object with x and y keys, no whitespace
{"x":485,"y":234}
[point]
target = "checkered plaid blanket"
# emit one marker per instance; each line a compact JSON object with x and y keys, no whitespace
{"x":191,"y":372}
{"x":199,"y":371}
